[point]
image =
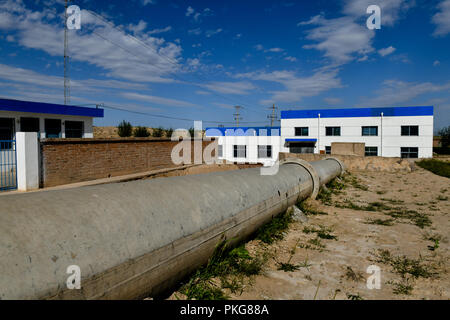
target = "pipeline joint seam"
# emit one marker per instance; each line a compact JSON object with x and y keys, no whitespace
{"x":312,"y":172}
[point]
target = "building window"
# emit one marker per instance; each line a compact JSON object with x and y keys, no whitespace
{"x":302,"y":131}
{"x":264,"y":151}
{"x":52,"y":128}
{"x":409,"y":152}
{"x":371,"y":152}
{"x":410,"y":130}
{"x":333,"y":131}
{"x":370,"y":131}
{"x":6,"y":133}
{"x":220,"y":151}
{"x":29,"y":124}
{"x":240,"y":151}
{"x":74,"y":129}
{"x":328,"y":150}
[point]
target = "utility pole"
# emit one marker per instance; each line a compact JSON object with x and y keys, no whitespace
{"x":66,"y":58}
{"x":237,"y":115}
{"x":274,"y":116}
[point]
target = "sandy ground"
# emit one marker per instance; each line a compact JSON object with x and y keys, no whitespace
{"x":339,"y":270}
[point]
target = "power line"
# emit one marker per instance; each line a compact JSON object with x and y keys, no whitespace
{"x":107,"y":106}
{"x":170,"y":60}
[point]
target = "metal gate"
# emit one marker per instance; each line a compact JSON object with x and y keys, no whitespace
{"x":8,"y":165}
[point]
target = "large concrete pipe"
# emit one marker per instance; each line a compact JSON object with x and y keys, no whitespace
{"x":138,"y":238}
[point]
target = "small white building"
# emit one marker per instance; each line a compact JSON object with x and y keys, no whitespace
{"x":48,"y":120}
{"x":247,"y":144}
{"x":405,"y":132}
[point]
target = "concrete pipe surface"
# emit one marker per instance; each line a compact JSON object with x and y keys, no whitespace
{"x":138,"y":238}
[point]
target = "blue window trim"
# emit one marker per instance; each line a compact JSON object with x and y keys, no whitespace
{"x":49,"y":108}
{"x":358,"y":112}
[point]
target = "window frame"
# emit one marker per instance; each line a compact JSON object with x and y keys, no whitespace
{"x":369,"y":128}
{"x":73,"y":130}
{"x":268,"y":152}
{"x":403,"y":130}
{"x":236,"y":151}
{"x":371,"y":153}
{"x":333,"y":131}
{"x":301,"y":129}
{"x":408,"y":152}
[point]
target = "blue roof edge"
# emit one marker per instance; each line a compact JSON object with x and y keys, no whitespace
{"x":49,"y":108}
{"x":244,"y":131}
{"x":359,"y":112}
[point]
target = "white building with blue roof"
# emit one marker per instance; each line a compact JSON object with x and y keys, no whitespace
{"x":405,"y":132}
{"x":48,"y":120}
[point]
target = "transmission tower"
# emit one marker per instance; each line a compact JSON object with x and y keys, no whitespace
{"x":66,"y":58}
{"x":237,"y":115}
{"x":274,"y":116}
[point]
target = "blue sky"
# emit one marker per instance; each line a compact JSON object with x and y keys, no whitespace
{"x":198,"y":59}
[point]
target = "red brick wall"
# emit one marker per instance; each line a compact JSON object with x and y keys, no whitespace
{"x":65,"y":161}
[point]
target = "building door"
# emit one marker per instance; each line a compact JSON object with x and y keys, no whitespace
{"x":301,"y":147}
{"x":8,"y":167}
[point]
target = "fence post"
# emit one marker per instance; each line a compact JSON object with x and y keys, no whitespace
{"x":27,"y":161}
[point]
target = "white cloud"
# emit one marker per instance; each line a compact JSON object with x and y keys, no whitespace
{"x":390,"y":9}
{"x":240,"y":88}
{"x":157,"y":100}
{"x":120,"y":56}
{"x":211,"y":33}
{"x":291,"y":59}
{"x":196,"y":15}
{"x":436,"y":63}
{"x":137,"y":28}
{"x":163,"y":30}
{"x":146,"y":2}
{"x":333,"y":100}
{"x":394,"y":92}
{"x":274,"y":50}
{"x":295,"y":88}
{"x":386,"y":51}
{"x":259,"y":47}
{"x":189,"y":11}
{"x":196,"y":31}
{"x":442,"y":19}
{"x":340,"y":39}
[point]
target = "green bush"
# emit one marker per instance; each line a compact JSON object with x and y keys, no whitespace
{"x":141,"y":132}
{"x":169,"y":132}
{"x":440,"y":168}
{"x":125,"y":129}
{"x":158,"y":132}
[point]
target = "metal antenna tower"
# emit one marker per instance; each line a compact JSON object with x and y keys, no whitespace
{"x":237,"y":115}
{"x":66,"y":58}
{"x":274,"y":116}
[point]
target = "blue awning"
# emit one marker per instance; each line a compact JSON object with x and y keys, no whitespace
{"x":301,"y":140}
{"x":49,"y":108}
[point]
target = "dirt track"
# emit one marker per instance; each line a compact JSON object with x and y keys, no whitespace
{"x":338,"y":271}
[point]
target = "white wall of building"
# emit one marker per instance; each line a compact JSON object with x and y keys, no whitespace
{"x":27,"y":161}
{"x":389,"y":139}
{"x":252,"y":142}
{"x":88,"y":121}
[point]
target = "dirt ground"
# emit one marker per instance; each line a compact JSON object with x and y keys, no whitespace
{"x":338,"y":271}
{"x":397,"y":221}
